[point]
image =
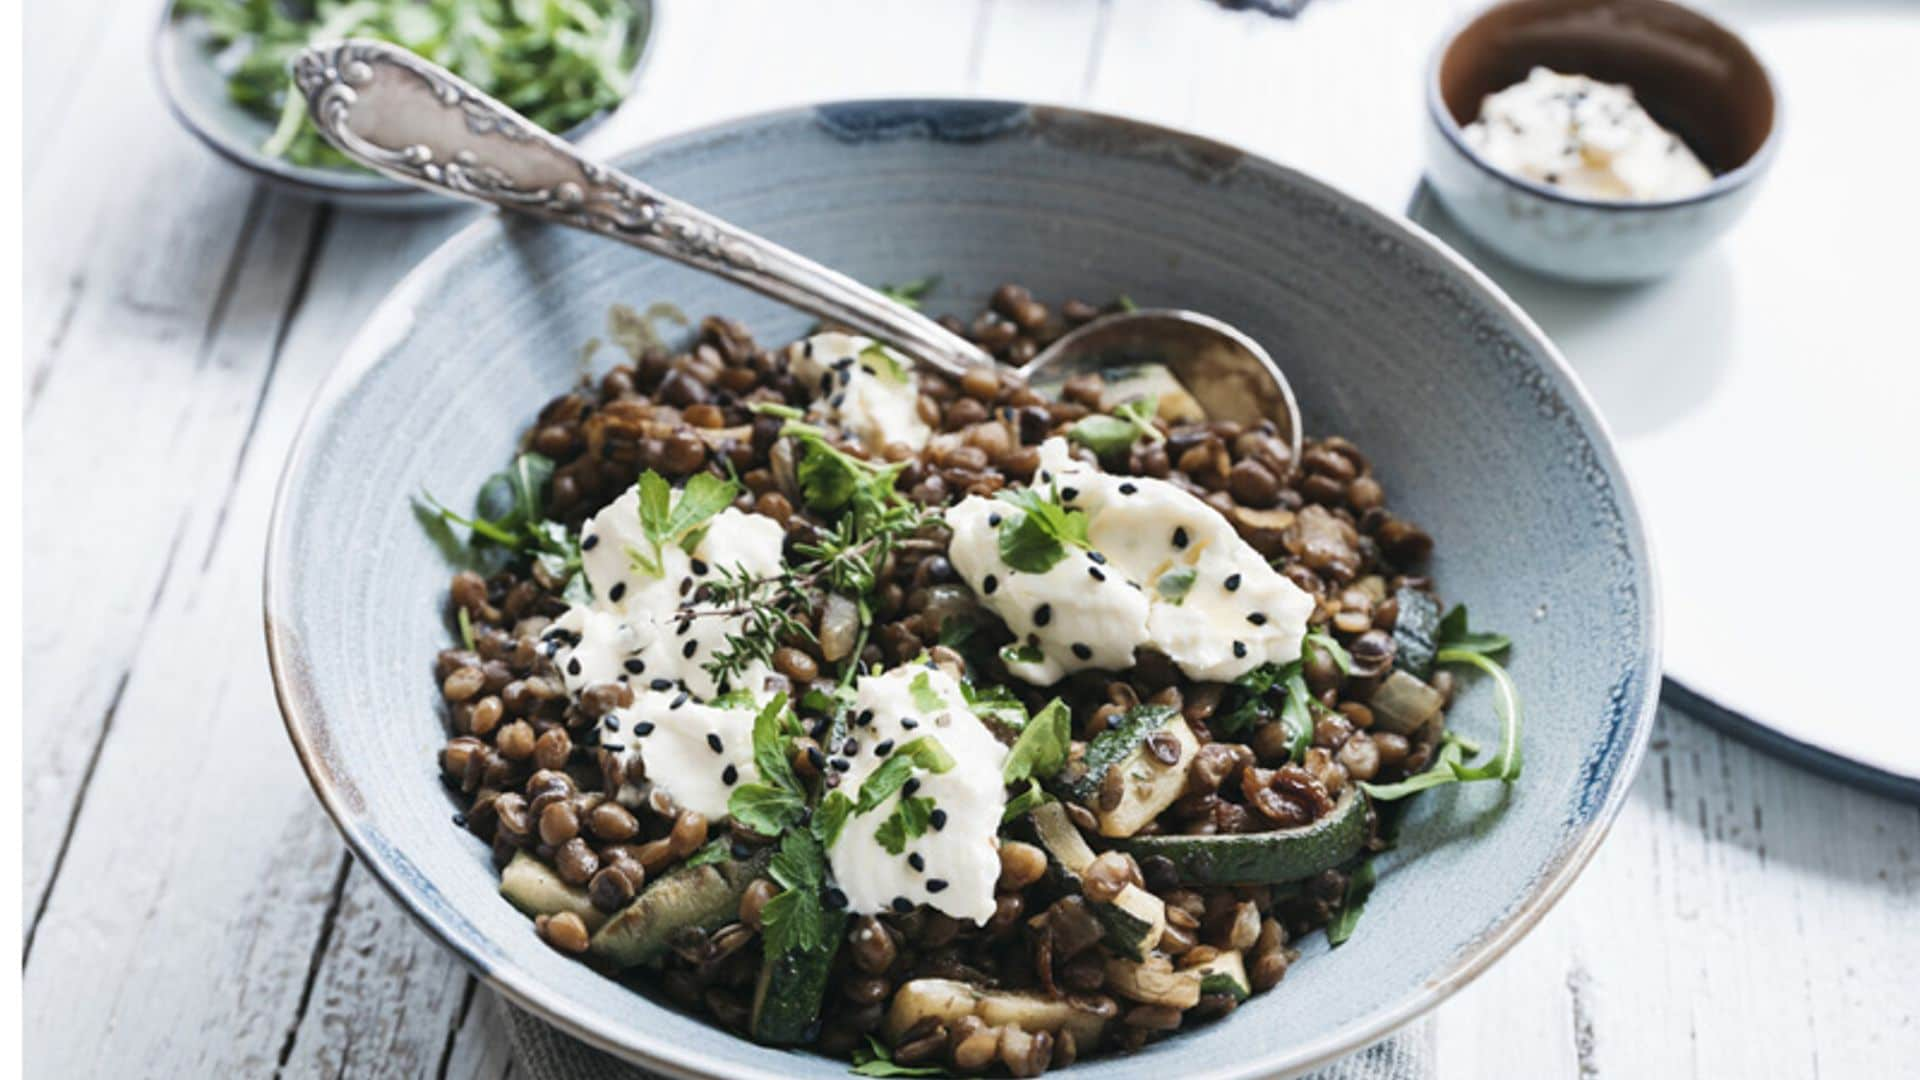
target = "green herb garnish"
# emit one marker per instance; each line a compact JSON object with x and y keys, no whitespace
{"x":884,"y":362}
{"x":794,"y":919}
{"x":874,"y":1059}
{"x":880,"y":785}
{"x":1039,"y":537}
{"x":1108,"y":434}
{"x":910,"y":293}
{"x":908,"y":821}
{"x":831,"y":816}
{"x":509,"y":521}
{"x":1459,"y":645}
{"x":1041,"y":749}
{"x":1174,"y":585}
{"x":925,"y":697}
{"x":557,"y":62}
{"x":665,"y":520}
{"x":776,"y":801}
{"x":717,"y":851}
{"x":1359,"y":887}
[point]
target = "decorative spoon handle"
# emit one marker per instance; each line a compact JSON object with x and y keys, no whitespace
{"x":413,"y":120}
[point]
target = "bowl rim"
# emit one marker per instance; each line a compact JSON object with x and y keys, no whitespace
{"x":306,"y":722}
{"x":1721,"y":184}
{"x":325,"y":182}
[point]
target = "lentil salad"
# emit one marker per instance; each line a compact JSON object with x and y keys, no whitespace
{"x":941,"y":725}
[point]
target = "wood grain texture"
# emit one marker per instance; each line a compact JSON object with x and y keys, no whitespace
{"x":190,"y":911}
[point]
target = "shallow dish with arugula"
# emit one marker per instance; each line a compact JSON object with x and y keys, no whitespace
{"x":942,"y":726}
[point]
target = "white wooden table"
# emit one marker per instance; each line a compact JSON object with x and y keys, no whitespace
{"x":188,"y":909}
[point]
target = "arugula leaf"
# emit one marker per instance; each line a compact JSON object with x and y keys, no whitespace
{"x":925,"y":698}
{"x":874,"y":1059}
{"x":1174,"y":585}
{"x":908,"y":821}
{"x":1296,"y":713}
{"x":1453,"y":634}
{"x":924,"y":752}
{"x":717,"y":851}
{"x":1040,"y":536}
{"x":1041,"y":750}
{"x":1443,"y":770}
{"x":1359,"y":887}
{"x":830,"y":817}
{"x":1449,"y":766}
{"x":531,"y":474}
{"x":1320,"y":639}
{"x":1025,"y":802}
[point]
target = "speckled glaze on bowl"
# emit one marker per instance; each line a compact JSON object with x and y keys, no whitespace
{"x":1476,"y":427}
{"x":196,"y":94}
{"x":1697,"y":78}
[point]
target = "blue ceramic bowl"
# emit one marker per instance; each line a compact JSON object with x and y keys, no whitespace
{"x":1694,"y":76}
{"x":1477,"y":428}
{"x":196,"y":94}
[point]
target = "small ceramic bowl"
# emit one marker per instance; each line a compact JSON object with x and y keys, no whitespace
{"x":1471,"y":420}
{"x":196,"y":94}
{"x":1695,"y":77}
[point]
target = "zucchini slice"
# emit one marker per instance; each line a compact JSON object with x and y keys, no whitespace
{"x":1148,"y":787}
{"x":1154,"y":982}
{"x":703,"y":896}
{"x":950,"y":1000}
{"x":1225,"y":974}
{"x":791,"y":987}
{"x":1416,"y":632}
{"x":1135,"y":919}
{"x":1264,"y":858}
{"x":533,"y":887}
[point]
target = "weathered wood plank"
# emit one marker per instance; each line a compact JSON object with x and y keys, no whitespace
{"x":480,"y":1049}
{"x":1745,"y":918}
{"x":1039,"y":52}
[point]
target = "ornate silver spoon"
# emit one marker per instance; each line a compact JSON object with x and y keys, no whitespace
{"x":415,"y":121}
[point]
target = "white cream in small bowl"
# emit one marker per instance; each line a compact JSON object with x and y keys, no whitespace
{"x":1587,"y":138}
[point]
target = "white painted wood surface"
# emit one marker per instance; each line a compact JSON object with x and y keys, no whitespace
{"x":188,"y":910}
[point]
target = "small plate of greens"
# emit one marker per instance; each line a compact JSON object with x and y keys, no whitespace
{"x":223,"y":67}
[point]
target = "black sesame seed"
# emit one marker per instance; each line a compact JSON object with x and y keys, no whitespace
{"x":1257,"y":618}
{"x":915,"y":860}
{"x":806,"y":349}
{"x":936,"y":884}
{"x":903,"y":905}
{"x":729,"y":775}
{"x":993,"y":520}
{"x":643,"y":728}
{"x":834,"y":898}
{"x":682,"y":629}
{"x":686,"y":585}
{"x":461,"y":820}
{"x":1094,"y":573}
{"x":619,"y":590}
{"x":614,"y":746}
{"x":1239,"y":649}
{"x":1094,"y":556}
{"x":680,"y":699}
{"x":909,"y":723}
{"x":592,"y":540}
{"x":851,"y":747}
{"x":613,"y":723}
{"x":714,"y":743}
{"x":885,"y":748}
{"x":912,"y":785}
{"x":1128,"y":489}
{"x":1046,"y":477}
{"x":838,"y":400}
{"x":699,"y":568}
{"x":1233,"y":582}
{"x":635,"y":667}
{"x":1180,"y":537}
{"x":840,"y":764}
{"x":573,"y":666}
{"x":865,"y":718}
{"x":1043,"y":615}
{"x":1082,"y":651}
{"x":990,"y":584}
{"x":1069,"y":494}
{"x":816,"y":758}
{"x":661,"y":684}
{"x":689,"y":649}
{"x":937,"y":819}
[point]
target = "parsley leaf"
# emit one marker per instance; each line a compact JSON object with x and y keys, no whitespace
{"x":908,"y":821}
{"x":874,"y":1059}
{"x":1025,"y":802}
{"x":665,"y":520}
{"x":704,"y":496}
{"x":830,"y":817}
{"x":924,"y":752}
{"x":1042,"y":747}
{"x":794,"y":919}
{"x":776,"y":801}
{"x":1174,"y":585}
{"x":1021,"y":654}
{"x":1039,"y":537}
{"x":995,"y":705}
{"x":764,"y":808}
